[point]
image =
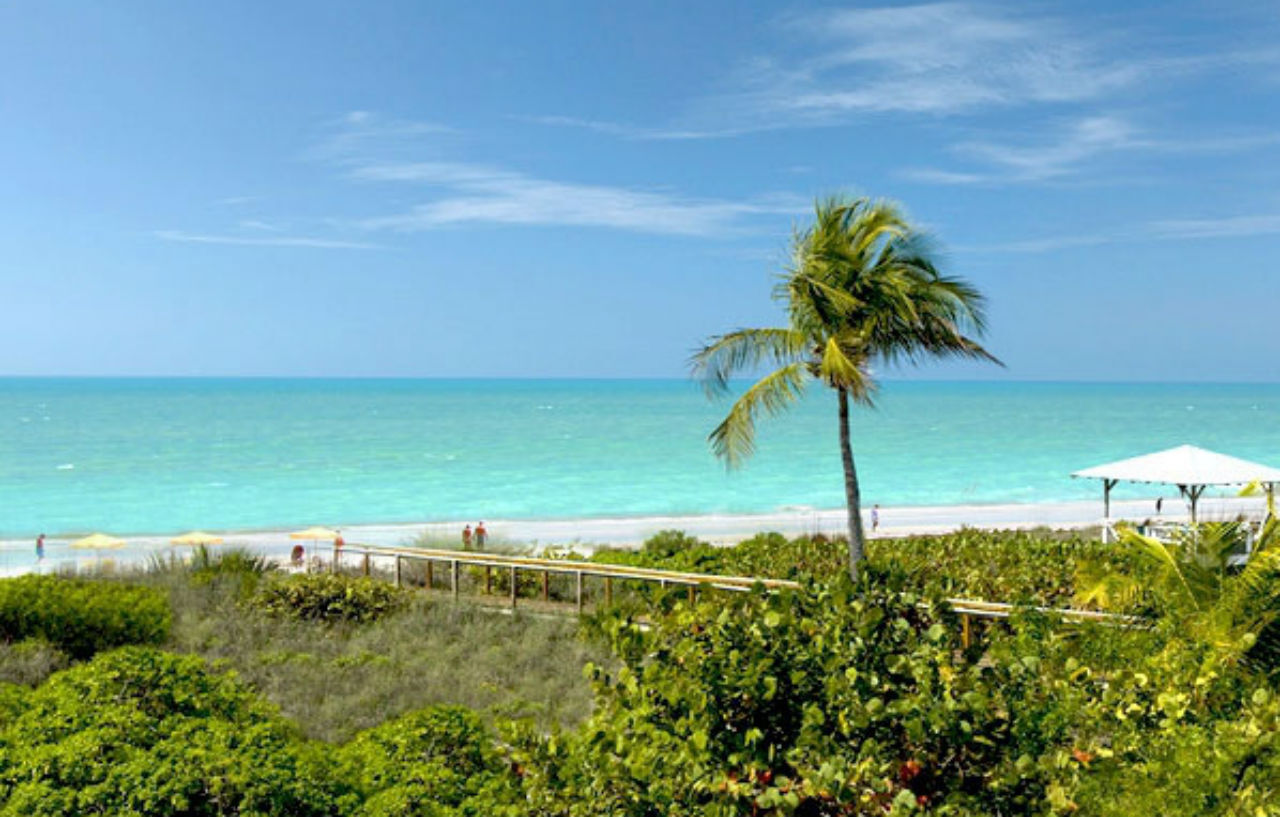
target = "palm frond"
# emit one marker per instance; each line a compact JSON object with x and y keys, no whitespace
{"x":743,"y":350}
{"x":734,"y":439}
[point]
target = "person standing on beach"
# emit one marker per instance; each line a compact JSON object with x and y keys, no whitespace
{"x":338,"y":541}
{"x":40,"y":548}
{"x":1159,"y":505}
{"x":466,"y":538}
{"x":481,"y":535}
{"x":875,"y":518}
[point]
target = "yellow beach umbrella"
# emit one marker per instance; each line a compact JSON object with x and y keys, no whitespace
{"x":98,"y":541}
{"x":315,"y":533}
{"x":196,"y":537}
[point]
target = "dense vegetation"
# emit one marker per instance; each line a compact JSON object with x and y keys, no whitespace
{"x":1013,"y":566}
{"x":833,"y":699}
{"x":80,"y":617}
{"x":329,"y":597}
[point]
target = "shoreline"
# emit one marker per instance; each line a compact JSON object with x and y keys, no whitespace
{"x":17,"y":556}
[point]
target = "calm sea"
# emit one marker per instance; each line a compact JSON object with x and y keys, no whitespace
{"x":157,"y":456}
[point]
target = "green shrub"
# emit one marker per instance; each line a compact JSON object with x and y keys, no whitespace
{"x":805,"y":703}
{"x":1011,"y":566}
{"x":81,"y":617}
{"x":426,"y":762}
{"x":239,"y":563}
{"x":329,"y":597}
{"x":141,"y":732}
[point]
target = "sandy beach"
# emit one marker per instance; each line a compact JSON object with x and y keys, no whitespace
{"x":586,"y":534}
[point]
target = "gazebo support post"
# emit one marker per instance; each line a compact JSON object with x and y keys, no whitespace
{"x":1106,"y":511}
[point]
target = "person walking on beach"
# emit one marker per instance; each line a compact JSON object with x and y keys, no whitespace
{"x":1159,"y":505}
{"x":40,"y":548}
{"x":875,"y":518}
{"x":466,"y":538}
{"x":481,"y":535}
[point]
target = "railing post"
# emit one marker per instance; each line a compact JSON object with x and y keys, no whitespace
{"x":546,"y":585}
{"x":488,"y":579}
{"x":608,"y":591}
{"x":966,"y":630}
{"x":514,"y":587}
{"x":333,"y":563}
{"x":430,"y":582}
{"x":399,"y":570}
{"x":365,"y":565}
{"x":453,"y":570}
{"x":579,"y":577}
{"x":692,"y":593}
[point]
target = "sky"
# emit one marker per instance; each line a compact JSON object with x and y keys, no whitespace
{"x":557,"y":189}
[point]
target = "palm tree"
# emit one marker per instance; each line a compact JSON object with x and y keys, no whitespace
{"x":862,"y":289}
{"x":1214,"y":581}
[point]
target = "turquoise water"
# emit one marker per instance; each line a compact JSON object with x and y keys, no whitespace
{"x":158,"y":456}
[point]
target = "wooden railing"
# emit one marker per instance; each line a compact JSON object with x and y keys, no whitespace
{"x":580,"y":570}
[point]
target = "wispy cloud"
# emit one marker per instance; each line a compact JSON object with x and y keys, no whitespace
{"x":936,"y":59}
{"x":639,"y":132}
{"x":1189,"y":229}
{"x":1072,"y":147}
{"x":263,"y":226}
{"x":358,"y":133}
{"x":272,"y":241}
{"x":1073,"y":144}
{"x":1229,"y":227}
{"x":479,"y":194}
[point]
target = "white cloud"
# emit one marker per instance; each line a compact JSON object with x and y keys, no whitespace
{"x":1074,"y":145}
{"x":359,"y":133}
{"x":638,"y":132}
{"x":263,"y":226}
{"x":1190,"y":229}
{"x":1229,"y":227}
{"x":935,"y":58}
{"x":480,"y":194}
{"x":273,"y":241}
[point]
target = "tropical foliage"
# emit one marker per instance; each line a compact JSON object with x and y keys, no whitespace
{"x":80,"y":617}
{"x":862,"y":289}
{"x":832,"y":699}
{"x":1014,"y":566}
{"x":330,"y":597}
{"x":1216,"y":580}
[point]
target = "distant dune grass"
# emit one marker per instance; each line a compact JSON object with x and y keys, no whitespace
{"x":336,"y":679}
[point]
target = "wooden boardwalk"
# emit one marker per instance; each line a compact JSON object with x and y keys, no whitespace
{"x":594,"y":583}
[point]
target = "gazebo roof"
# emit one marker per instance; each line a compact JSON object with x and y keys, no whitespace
{"x":1184,"y":465}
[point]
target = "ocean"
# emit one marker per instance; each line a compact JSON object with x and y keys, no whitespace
{"x":135,"y":456}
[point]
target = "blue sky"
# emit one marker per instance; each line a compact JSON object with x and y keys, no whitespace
{"x":575,"y":189}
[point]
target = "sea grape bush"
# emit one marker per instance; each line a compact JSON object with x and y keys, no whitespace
{"x":138,"y":731}
{"x":819,"y":702}
{"x":142,"y":732}
{"x":436,"y":761}
{"x":329,"y":597}
{"x":1012,"y":566}
{"x":80,"y":616}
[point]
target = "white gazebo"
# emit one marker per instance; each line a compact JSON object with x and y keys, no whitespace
{"x":1190,"y":468}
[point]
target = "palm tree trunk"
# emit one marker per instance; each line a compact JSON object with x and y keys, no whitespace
{"x":853,"y":497}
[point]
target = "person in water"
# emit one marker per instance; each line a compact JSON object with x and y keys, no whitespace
{"x":40,"y":548}
{"x":875,"y":518}
{"x":481,"y":535}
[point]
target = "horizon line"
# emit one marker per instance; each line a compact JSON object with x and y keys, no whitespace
{"x":615,"y":378}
